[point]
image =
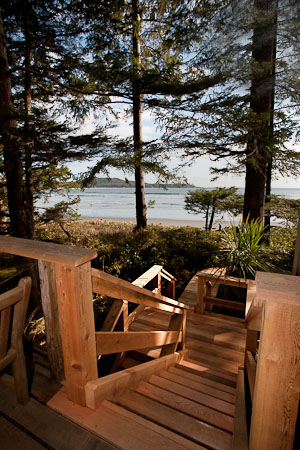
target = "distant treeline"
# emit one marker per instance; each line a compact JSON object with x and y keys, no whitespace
{"x":117,"y":182}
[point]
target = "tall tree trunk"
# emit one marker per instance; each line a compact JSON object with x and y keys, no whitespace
{"x":260,"y":131}
{"x":267,"y":223}
{"x":28,"y":137}
{"x":271,"y":128}
{"x":206,"y":218}
{"x":11,"y":149}
{"x":141,"y":218}
{"x":212,"y":216}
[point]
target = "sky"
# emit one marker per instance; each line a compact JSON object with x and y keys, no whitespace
{"x":197,"y":174}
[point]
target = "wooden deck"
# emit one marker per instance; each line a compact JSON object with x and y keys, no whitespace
{"x":35,"y":426}
{"x":188,"y":404}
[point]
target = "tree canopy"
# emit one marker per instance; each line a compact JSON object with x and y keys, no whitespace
{"x":221,"y":77}
{"x":209,"y":202}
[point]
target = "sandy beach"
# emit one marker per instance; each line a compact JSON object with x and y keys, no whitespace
{"x":164,"y":222}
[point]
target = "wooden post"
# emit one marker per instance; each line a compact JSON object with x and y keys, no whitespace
{"x":182,"y":344}
{"x":199,"y":307}
{"x":175,"y":324}
{"x":122,"y":325}
{"x":251,"y":340}
{"x":296,"y":263}
{"x":50,"y":312}
{"x":74,"y":294}
{"x":171,"y":289}
{"x":159,"y":283}
{"x":19,"y":365}
{"x":277,"y":384}
{"x":208,"y":306}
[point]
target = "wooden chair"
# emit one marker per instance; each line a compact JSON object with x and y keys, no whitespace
{"x":15,"y":302}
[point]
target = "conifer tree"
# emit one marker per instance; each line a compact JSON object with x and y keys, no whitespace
{"x":249,"y":116}
{"x":38,"y":81}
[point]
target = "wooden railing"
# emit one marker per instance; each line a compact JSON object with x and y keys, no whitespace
{"x":274,"y":382}
{"x":110,"y":341}
{"x":209,"y":279}
{"x":67,"y":285}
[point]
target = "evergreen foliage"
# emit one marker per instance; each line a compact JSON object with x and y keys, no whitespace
{"x":210,"y":202}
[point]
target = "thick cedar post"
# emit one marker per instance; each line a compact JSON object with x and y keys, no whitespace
{"x":175,"y":324}
{"x":296,"y":263}
{"x":159,"y":283}
{"x":171,"y":289}
{"x":208,"y":306}
{"x":50,"y":312}
{"x":277,"y":384}
{"x":251,"y":340}
{"x":19,"y":365}
{"x":74,"y":294}
{"x":199,"y":307}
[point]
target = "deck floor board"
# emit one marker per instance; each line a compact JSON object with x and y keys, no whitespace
{"x":189,"y":405}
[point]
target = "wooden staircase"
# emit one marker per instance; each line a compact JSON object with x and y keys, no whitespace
{"x":179,"y":398}
{"x":188,"y":404}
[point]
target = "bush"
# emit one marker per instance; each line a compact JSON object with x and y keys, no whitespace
{"x":243,"y":249}
{"x":122,"y":252}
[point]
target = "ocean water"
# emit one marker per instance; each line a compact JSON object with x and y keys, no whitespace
{"x":119,"y":203}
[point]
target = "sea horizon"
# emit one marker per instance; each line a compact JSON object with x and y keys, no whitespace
{"x":163,"y":204}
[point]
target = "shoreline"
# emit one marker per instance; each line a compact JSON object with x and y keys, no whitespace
{"x":163,"y":222}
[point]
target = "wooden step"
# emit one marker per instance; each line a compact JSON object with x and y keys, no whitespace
{"x":46,"y":426}
{"x":216,"y":320}
{"x":194,"y":390}
{"x":221,"y":326}
{"x":118,"y":426}
{"x":225,"y":365}
{"x":181,"y":369}
{"x":217,"y":350}
{"x":216,"y":369}
{"x":176,"y":421}
{"x":131,"y":431}
{"x":228,"y":339}
{"x":184,"y":404}
{"x":211,"y":387}
{"x":206,"y":372}
{"x":225,"y":317}
{"x":12,"y":438}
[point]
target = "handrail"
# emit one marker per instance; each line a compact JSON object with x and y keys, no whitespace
{"x":274,"y":386}
{"x":117,"y":307}
{"x":118,"y":341}
{"x":251,"y":372}
{"x":106,"y":284}
{"x":240,"y":433}
{"x":46,"y":251}
{"x":147,"y":276}
{"x":205,"y":279}
{"x":109,"y":341}
{"x":167,"y":275}
{"x":218,"y":274}
{"x":254,"y":308}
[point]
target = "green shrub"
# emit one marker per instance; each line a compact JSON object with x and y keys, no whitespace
{"x":243,"y":249}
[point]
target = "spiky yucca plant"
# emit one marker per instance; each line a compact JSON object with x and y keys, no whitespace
{"x":244,"y":251}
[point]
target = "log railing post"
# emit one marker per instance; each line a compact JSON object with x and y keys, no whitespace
{"x":159,"y":283}
{"x":176,"y":322}
{"x":171,"y":289}
{"x":296,"y":263}
{"x":50,"y":313}
{"x":74,"y":293}
{"x":277,"y":383}
{"x":199,"y":307}
{"x":73,"y":281}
